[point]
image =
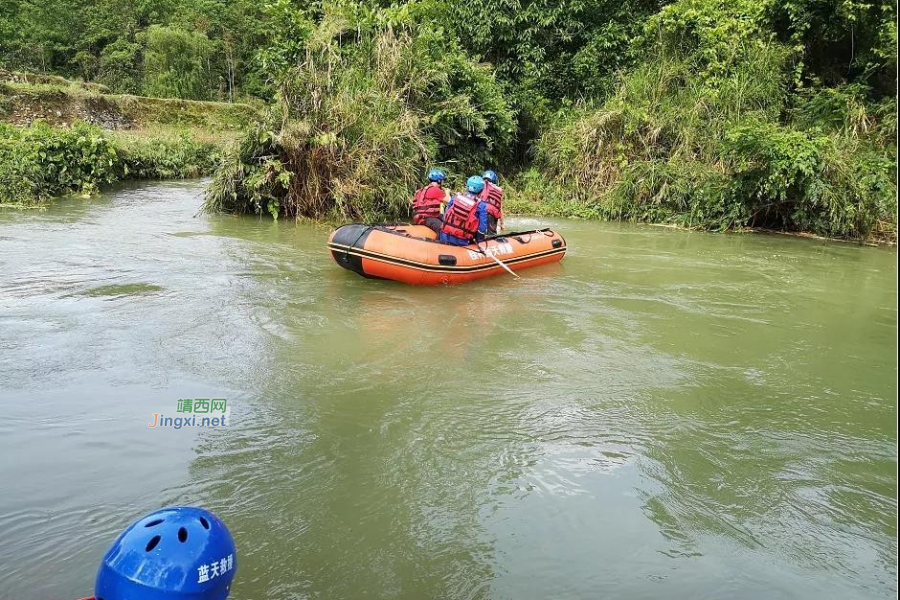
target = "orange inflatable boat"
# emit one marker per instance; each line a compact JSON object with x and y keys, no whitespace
{"x":412,"y":254}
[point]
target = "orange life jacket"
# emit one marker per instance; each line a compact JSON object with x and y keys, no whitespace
{"x":425,"y":206}
{"x":460,"y":219}
{"x":493,"y":197}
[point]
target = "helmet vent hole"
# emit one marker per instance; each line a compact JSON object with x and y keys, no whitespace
{"x":152,"y":543}
{"x":154,"y":523}
{"x":204,"y":522}
{"x":182,"y":535}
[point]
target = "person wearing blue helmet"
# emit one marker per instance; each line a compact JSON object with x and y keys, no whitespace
{"x":429,"y":200}
{"x":179,"y":553}
{"x":492,"y":194}
{"x":466,"y":217}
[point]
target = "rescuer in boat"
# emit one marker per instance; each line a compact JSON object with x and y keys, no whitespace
{"x":180,"y":553}
{"x":428,"y":201}
{"x":466,"y":217}
{"x":492,"y":194}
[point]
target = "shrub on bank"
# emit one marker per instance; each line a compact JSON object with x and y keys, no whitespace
{"x":362,"y":114}
{"x":165,"y":157}
{"x":39,"y":161}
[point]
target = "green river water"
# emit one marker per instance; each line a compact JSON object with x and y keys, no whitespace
{"x":662,"y":415}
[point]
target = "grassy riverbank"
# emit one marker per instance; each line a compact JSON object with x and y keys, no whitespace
{"x":59,"y":137}
{"x":691,"y":113}
{"x":40,"y":162}
{"x":25,"y":98}
{"x":723,"y":124}
{"x":723,"y":137}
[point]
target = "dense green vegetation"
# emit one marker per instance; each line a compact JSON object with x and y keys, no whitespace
{"x":190,"y":49}
{"x":47,"y":148}
{"x":725,"y":131}
{"x":359,"y":122}
{"x":39,"y":161}
{"x":61,"y":101}
{"x":703,"y":113}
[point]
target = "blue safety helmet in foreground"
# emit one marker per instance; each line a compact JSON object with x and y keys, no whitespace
{"x":475,"y":184}
{"x":179,"y":553}
{"x":490,"y":176}
{"x":436,"y":175}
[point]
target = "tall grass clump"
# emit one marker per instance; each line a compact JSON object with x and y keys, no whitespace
{"x":171,"y":155}
{"x":366,"y":107}
{"x":714,"y":131}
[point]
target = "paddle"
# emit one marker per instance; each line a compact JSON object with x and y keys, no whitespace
{"x":496,"y":260}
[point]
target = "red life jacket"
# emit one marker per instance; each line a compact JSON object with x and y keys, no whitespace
{"x":425,"y":207}
{"x":460,"y":219}
{"x":493,"y":197}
